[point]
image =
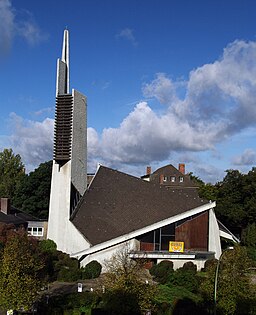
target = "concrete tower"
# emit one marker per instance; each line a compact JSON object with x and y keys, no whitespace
{"x":69,"y":173}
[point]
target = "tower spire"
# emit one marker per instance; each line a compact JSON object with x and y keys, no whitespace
{"x":62,"y":83}
{"x":69,"y":170}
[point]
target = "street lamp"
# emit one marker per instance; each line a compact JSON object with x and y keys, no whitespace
{"x":216,"y":277}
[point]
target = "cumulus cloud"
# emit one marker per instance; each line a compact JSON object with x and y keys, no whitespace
{"x":218,"y":103}
{"x":163,"y":89}
{"x":248,"y":157}
{"x":14,"y":23}
{"x":32,"y":139}
{"x":127,"y":34}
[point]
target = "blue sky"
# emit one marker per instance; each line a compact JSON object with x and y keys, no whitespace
{"x":167,"y":81}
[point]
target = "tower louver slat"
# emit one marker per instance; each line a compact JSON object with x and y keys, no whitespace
{"x":63,"y":128}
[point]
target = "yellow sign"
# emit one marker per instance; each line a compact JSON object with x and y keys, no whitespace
{"x":177,"y":247}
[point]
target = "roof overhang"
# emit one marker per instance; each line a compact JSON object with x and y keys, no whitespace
{"x":146,"y":229}
{"x":225,"y":233}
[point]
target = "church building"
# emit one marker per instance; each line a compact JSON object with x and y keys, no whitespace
{"x":159,"y":216}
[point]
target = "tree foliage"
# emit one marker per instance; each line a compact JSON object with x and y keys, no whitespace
{"x":234,"y":291}
{"x":11,"y":172}
{"x":127,"y":278}
{"x":48,"y":246}
{"x":235,"y":198}
{"x":20,"y":272}
{"x":92,"y":270}
{"x":33,"y":192}
{"x":161,"y":272}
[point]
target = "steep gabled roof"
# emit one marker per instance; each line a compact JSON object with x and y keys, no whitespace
{"x":116,"y":204}
{"x":168,"y":169}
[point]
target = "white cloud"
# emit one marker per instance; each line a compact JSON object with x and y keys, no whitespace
{"x":30,"y":31}
{"x":32,"y":140}
{"x":127,"y":34}
{"x":163,"y":89}
{"x":218,"y":103}
{"x":13,"y":23}
{"x":6,"y":25}
{"x":248,"y":157}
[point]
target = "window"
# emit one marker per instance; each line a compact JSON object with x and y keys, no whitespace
{"x":165,"y":178}
{"x":173,"y":179}
{"x":181,"y":179}
{"x":35,"y":231}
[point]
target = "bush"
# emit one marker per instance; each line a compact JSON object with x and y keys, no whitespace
{"x":252,"y":255}
{"x":209,"y":263}
{"x":48,"y":246}
{"x":184,"y":278}
{"x":167,"y":298}
{"x":92,"y":270}
{"x":74,"y":303}
{"x":190,"y":266}
{"x":66,"y":268}
{"x":120,"y":302}
{"x":162,"y":270}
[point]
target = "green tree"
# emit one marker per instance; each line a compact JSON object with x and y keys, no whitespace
{"x":249,"y":235}
{"x":234,"y":291}
{"x":129,"y":279}
{"x":208,"y":191}
{"x":33,"y":192}
{"x":20,"y":271}
{"x":197,"y":180}
{"x":249,"y":192}
{"x":230,"y":200}
{"x":11,"y":172}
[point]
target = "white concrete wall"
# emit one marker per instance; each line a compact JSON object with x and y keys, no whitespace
{"x":104,"y":255}
{"x":79,"y":142}
{"x":214,"y":244}
{"x":60,"y":229}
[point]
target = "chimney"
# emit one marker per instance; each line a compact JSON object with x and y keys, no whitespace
{"x":182,"y":168}
{"x":6,"y":205}
{"x":161,"y":179}
{"x":148,"y":171}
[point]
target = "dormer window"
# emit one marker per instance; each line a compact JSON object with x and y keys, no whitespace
{"x":173,"y":179}
{"x":181,"y":179}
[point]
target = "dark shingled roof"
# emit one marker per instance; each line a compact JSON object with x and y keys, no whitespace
{"x":116,"y":204}
{"x":11,"y":219}
{"x":16,"y":216}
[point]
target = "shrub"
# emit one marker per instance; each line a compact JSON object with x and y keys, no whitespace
{"x":167,"y":298}
{"x":66,"y":268}
{"x":251,"y":251}
{"x":120,"y":302}
{"x":184,"y":278}
{"x":48,"y":246}
{"x":209,"y":263}
{"x":92,"y":270}
{"x":162,"y":270}
{"x":189,"y":266}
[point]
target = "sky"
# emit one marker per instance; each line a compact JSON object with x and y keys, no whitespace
{"x":167,"y":81}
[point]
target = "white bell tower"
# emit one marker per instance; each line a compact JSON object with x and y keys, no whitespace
{"x":69,"y":172}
